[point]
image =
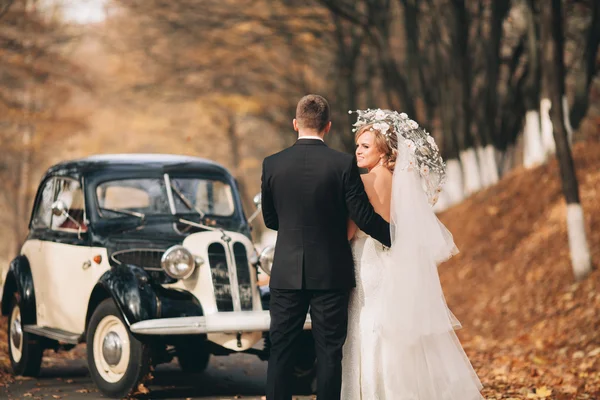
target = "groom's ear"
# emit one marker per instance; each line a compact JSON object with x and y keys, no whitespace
{"x":295,"y":124}
{"x":327,"y":127}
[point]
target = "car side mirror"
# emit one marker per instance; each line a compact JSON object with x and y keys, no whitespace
{"x":258,"y":200}
{"x":258,"y":203}
{"x":59,"y":208}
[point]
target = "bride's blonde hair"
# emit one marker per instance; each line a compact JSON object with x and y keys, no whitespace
{"x":387,"y":144}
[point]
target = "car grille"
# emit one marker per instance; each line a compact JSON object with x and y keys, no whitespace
{"x":243,"y":276}
{"x":148,"y":259}
{"x":220,"y":276}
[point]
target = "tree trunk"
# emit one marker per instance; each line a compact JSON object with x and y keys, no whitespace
{"x":583,"y":80}
{"x":533,"y":152}
{"x":349,"y":44}
{"x":236,"y":159}
{"x":500,"y":9}
{"x":553,"y":72}
{"x":548,"y":143}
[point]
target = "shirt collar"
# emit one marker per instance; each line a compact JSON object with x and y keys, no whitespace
{"x":311,"y":137}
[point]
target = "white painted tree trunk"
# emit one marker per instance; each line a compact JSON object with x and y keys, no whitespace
{"x":472,"y":179}
{"x":443,"y":203}
{"x":487,"y":165}
{"x":454,"y":188}
{"x":453,"y":191}
{"x":578,"y":246}
{"x":547,"y":130}
{"x":533,"y":147}
{"x":565,"y":104}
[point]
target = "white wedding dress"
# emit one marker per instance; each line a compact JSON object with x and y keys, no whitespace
{"x":401,"y":343}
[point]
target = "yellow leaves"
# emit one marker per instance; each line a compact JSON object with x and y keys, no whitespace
{"x":540,"y":393}
{"x":578,"y":354}
{"x":142,"y":389}
{"x":594,"y":353}
{"x":539,"y":360}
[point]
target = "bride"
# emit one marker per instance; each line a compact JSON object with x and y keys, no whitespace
{"x":401,"y":343}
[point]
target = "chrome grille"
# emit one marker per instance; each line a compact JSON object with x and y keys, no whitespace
{"x":220,"y":276}
{"x":243,"y":276}
{"x":149,"y":259}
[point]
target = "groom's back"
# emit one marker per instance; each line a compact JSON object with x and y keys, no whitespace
{"x":306,"y":183}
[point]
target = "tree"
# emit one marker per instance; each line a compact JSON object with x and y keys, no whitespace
{"x":35,"y":80}
{"x":583,"y":80}
{"x":553,"y":74}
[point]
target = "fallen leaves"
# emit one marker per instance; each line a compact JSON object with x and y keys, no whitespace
{"x":528,"y":329}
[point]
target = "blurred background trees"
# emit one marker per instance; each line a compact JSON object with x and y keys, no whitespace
{"x":221,"y":78}
{"x":36,"y":78}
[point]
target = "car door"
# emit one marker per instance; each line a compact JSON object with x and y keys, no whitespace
{"x":33,"y":246}
{"x":69,"y":272}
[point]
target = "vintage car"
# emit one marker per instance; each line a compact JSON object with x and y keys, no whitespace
{"x":144,"y":258}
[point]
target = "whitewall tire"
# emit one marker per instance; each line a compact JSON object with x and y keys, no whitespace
{"x":24,"y":349}
{"x":117,"y":361}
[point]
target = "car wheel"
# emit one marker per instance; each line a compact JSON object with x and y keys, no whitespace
{"x":24,"y":349}
{"x":117,"y":361}
{"x":193,"y":358}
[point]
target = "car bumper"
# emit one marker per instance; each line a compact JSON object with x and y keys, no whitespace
{"x":227,"y":322}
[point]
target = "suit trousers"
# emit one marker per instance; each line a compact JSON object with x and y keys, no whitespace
{"x":329,"y":315}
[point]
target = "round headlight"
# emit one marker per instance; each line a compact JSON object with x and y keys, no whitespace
{"x":266,"y":259}
{"x":178,"y":262}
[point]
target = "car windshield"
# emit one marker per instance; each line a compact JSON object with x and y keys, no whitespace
{"x":153,"y":196}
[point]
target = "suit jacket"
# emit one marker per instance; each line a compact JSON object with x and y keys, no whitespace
{"x":309,"y":192}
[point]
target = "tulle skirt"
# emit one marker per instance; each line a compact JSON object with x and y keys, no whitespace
{"x":402,"y":345}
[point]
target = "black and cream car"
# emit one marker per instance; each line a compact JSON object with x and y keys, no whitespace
{"x":144,"y":258}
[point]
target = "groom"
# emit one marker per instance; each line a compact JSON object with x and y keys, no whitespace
{"x":309,"y":192}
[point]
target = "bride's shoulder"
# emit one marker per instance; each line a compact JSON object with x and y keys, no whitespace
{"x":378,"y":178}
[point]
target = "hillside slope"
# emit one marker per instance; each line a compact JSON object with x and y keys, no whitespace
{"x":527,"y":325}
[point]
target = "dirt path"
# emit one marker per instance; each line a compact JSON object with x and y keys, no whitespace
{"x":238,"y":376}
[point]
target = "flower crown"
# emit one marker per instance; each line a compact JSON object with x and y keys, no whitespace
{"x":417,"y":149}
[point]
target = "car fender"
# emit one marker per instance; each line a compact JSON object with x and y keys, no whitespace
{"x":20,"y":280}
{"x":138,"y":299}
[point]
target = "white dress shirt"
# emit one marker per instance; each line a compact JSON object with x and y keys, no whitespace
{"x":311,"y":137}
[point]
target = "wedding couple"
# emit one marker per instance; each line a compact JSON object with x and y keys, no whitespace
{"x":361,"y":253}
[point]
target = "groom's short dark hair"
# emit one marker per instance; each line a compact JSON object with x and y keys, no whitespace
{"x":312,"y":112}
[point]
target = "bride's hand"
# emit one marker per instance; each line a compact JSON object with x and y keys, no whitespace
{"x":352,"y":228}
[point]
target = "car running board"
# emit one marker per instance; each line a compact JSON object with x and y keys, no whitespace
{"x":53,"y":333}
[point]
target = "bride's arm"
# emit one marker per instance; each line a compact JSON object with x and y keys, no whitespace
{"x":352,"y":228}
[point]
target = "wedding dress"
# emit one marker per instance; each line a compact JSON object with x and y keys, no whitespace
{"x":401,"y":343}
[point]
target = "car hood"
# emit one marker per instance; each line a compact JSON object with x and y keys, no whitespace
{"x":150,"y":237}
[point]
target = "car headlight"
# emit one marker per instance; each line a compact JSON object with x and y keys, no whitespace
{"x":178,"y":262}
{"x":266,"y":259}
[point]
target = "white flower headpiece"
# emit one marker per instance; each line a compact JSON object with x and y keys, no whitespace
{"x":416,"y":148}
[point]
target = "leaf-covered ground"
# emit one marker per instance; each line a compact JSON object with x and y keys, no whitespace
{"x":529,"y":330}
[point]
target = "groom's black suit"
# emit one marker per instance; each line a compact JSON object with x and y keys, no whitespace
{"x":309,"y":192}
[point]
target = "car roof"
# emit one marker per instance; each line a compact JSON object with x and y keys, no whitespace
{"x":106,"y":163}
